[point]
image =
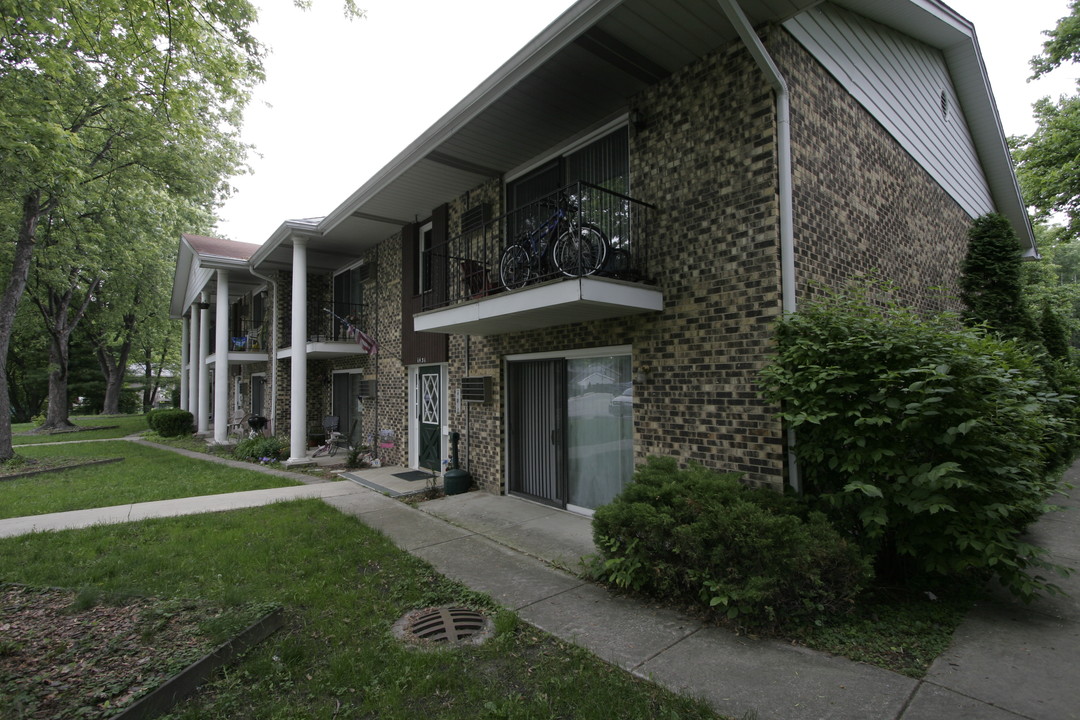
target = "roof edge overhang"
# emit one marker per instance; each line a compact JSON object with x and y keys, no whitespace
{"x":285,"y":232}
{"x":556,"y":36}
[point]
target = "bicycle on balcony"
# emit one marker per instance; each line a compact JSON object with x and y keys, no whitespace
{"x":561,"y":245}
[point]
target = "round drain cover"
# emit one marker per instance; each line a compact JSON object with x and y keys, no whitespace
{"x":446,"y":625}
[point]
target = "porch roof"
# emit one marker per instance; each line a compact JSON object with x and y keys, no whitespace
{"x":577,"y":75}
{"x":197,"y":259}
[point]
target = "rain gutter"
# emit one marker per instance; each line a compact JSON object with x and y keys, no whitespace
{"x":738,"y":19}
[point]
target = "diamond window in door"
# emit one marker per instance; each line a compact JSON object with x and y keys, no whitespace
{"x":430,"y":408}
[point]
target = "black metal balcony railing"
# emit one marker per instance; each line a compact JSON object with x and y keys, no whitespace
{"x":582,"y":229}
{"x":252,"y":338}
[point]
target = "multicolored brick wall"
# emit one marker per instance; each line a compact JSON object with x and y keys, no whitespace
{"x":863,"y":205}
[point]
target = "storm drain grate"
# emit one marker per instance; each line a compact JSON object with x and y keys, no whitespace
{"x":447,"y":625}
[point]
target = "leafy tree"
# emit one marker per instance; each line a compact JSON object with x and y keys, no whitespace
{"x":1063,"y":45}
{"x":1047,"y":161}
{"x":147,"y":91}
{"x":1054,"y":282}
{"x":990,"y":284}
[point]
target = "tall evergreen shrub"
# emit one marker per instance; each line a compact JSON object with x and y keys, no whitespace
{"x":990,"y":283}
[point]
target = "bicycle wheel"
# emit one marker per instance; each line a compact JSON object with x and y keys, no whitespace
{"x":319,"y":451}
{"x":580,"y":250}
{"x":514,"y":271}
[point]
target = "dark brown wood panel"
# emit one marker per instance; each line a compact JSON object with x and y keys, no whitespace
{"x":421,"y":348}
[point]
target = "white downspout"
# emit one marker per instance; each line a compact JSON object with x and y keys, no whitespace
{"x":761,"y":56}
{"x":272,"y":350}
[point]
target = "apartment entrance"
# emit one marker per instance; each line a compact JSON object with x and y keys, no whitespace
{"x":428,"y":416}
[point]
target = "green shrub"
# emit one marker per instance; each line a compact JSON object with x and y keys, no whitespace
{"x":150,"y":419}
{"x":929,"y":442}
{"x":172,"y":423}
{"x":130,"y":402}
{"x":261,"y":449}
{"x":751,"y":555}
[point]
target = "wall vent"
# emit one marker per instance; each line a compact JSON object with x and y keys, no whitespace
{"x":476,"y":389}
{"x":475,"y":217}
{"x":366,"y":389}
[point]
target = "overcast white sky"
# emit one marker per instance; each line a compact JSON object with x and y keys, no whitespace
{"x":343,"y":98}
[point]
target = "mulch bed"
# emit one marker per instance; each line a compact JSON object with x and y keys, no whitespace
{"x":27,"y":467}
{"x":65,"y":654}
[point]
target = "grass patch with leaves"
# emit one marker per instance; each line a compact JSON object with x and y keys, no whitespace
{"x":898,"y":629}
{"x":113,"y":426}
{"x":342,"y":585}
{"x":146,"y":474}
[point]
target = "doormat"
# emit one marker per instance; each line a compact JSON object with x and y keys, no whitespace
{"x":413,"y":475}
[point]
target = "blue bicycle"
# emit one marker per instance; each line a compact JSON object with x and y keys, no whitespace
{"x":562,"y":244}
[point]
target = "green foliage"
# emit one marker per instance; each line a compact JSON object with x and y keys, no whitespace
{"x":1063,"y":45}
{"x":1046,"y":161}
{"x":1054,"y":282}
{"x":173,"y":422}
{"x":990,"y":284}
{"x":151,"y":419}
{"x":751,"y":555}
{"x":1053,"y":334}
{"x":261,"y":449}
{"x":929,"y":442}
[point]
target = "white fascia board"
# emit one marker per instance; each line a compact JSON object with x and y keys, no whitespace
{"x":284,"y":232}
{"x":184,"y":256}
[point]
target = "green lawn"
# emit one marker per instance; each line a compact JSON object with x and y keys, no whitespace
{"x":343,"y":586}
{"x":124,"y":425}
{"x":145,"y":474}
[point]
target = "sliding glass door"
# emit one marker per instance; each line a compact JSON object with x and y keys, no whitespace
{"x":570,"y":428}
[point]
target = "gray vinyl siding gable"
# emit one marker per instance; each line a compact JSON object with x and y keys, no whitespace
{"x":900,"y":82}
{"x":198,"y":277}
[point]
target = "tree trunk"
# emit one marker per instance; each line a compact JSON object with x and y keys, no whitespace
{"x":61,"y":322}
{"x":115,"y":371}
{"x":9,"y":303}
{"x":56,"y":415}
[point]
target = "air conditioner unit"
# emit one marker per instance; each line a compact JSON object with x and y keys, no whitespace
{"x":366,"y":389}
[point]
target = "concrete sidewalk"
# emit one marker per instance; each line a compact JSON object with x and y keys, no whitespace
{"x":1007,"y":661}
{"x":170,"y":508}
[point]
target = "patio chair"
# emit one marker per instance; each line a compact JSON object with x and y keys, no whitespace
{"x":238,"y":423}
{"x":477,"y":281}
{"x":334,"y":437}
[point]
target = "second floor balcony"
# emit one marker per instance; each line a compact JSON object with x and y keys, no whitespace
{"x":246,"y":344}
{"x":336,"y":329}
{"x":581,"y":253}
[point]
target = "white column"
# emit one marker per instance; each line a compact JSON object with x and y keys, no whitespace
{"x":185,"y":359}
{"x":298,"y":364}
{"x":221,"y":361}
{"x":203,"y":417}
{"x":193,"y":362}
